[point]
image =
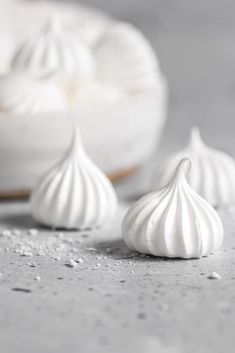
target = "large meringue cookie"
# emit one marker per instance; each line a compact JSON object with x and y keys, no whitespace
{"x":21,"y":93}
{"x":55,"y":49}
{"x":213,"y":171}
{"x":74,"y":194}
{"x":174,"y":222}
{"x":125,"y":58}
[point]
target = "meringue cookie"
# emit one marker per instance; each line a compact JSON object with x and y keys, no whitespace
{"x":173,"y":222}
{"x":125,"y":58}
{"x":55,"y":49}
{"x":213,"y":174}
{"x":20,"y":94}
{"x":74,"y":194}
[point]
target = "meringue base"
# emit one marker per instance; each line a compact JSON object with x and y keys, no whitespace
{"x":118,"y":138}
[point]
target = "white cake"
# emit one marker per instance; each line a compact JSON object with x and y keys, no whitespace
{"x":120,"y":105}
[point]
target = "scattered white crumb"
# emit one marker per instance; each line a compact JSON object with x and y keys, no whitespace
{"x":57,"y":258}
{"x":89,"y":248}
{"x":98,"y":265}
{"x":59,"y":235}
{"x":214,"y":275}
{"x":25,"y":252}
{"x":33,"y":232}
{"x":31,"y":264}
{"x":80,"y":260}
{"x":37,"y":278}
{"x":68,"y":240}
{"x":16,"y":232}
{"x":72,"y":263}
{"x":6,"y":233}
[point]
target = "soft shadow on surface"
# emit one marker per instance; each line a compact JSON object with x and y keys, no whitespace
{"x":119,"y":251}
{"x":19,"y":220}
{"x":26,"y":221}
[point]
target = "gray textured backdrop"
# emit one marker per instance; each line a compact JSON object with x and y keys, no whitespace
{"x":195,"y":43}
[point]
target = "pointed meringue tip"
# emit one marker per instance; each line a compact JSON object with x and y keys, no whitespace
{"x":76,"y":143}
{"x":183,"y":169}
{"x":185,"y":165}
{"x":195,"y":137}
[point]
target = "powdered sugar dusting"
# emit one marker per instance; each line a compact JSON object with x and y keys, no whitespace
{"x":32,"y":243}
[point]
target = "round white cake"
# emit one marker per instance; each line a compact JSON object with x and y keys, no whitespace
{"x":77,"y":66}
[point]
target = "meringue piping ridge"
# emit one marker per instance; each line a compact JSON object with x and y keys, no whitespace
{"x":213,"y":175}
{"x":75,"y":193}
{"x":55,"y":49}
{"x":174,"y":221}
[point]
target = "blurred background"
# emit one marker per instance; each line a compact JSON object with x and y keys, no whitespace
{"x":195,"y":44}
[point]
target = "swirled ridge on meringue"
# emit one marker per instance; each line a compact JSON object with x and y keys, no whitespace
{"x":74,"y":194}
{"x":174,"y":222}
{"x":21,"y":93}
{"x":55,"y":49}
{"x":213,"y":171}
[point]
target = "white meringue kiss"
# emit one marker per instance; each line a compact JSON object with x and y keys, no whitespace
{"x":55,"y":49}
{"x":20,"y":93}
{"x":174,"y":222}
{"x":74,"y":194}
{"x":213,"y":171}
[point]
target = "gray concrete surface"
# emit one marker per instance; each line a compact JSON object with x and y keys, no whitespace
{"x":117,"y":301}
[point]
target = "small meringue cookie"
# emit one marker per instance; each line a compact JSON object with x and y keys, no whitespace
{"x":55,"y":49}
{"x":74,"y":194}
{"x":174,"y":222}
{"x":125,"y":58}
{"x":213,"y":171}
{"x":20,"y":93}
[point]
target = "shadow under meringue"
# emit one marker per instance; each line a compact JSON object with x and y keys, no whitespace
{"x":19,"y":220}
{"x":118,"y":250}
